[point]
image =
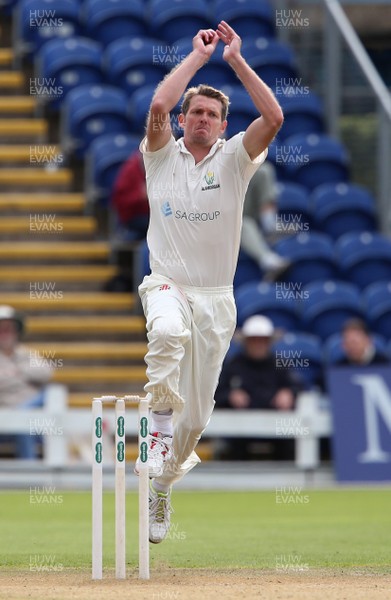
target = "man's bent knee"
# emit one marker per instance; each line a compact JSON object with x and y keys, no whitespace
{"x":168,"y":334}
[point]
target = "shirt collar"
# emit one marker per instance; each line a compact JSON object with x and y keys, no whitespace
{"x":218,"y":143}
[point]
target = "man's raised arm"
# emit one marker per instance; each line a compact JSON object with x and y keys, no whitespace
{"x":171,"y":89}
{"x":260,"y":132}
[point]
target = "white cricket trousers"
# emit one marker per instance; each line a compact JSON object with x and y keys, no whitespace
{"x":189,"y":330}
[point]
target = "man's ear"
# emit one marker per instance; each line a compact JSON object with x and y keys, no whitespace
{"x":181,"y":120}
{"x":223,"y":126}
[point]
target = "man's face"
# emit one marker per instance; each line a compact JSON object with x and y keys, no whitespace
{"x":257,"y":347}
{"x":202,"y":124}
{"x":8,"y":335}
{"x":355,"y":343}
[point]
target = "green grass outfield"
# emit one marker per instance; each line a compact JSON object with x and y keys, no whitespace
{"x":290,"y":529}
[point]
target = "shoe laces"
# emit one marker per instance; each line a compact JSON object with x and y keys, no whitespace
{"x":161,"y":507}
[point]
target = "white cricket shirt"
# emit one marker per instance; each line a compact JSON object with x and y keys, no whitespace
{"x":196,"y":210}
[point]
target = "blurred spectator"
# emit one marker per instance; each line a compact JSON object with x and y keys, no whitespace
{"x":129,"y":198}
{"x":358,"y":346}
{"x":251,"y":381}
{"x":359,"y":350}
{"x":21,"y":379}
{"x":259,"y":221}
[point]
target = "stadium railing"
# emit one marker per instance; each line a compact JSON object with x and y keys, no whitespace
{"x":57,"y":424}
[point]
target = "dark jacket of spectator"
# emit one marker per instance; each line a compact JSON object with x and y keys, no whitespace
{"x":259,"y":378}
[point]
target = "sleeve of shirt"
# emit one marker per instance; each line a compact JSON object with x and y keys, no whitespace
{"x":247,"y":167}
{"x":153,"y":160}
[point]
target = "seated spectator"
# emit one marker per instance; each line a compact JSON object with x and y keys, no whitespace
{"x":358,"y":346}
{"x":359,"y":350}
{"x":259,"y":222}
{"x":22,"y":380}
{"x":251,"y":381}
{"x":129,"y":198}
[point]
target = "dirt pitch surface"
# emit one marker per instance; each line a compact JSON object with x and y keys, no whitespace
{"x":199,"y":584}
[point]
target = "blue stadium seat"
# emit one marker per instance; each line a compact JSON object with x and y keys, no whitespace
{"x":294,"y":208}
{"x":302,"y":114}
{"x":38,"y":21}
{"x":110,"y":20}
{"x":313,"y":159}
{"x":171,"y":19}
{"x":131,"y":63}
{"x":312,"y":257}
{"x":272,"y":60}
{"x":333,"y":351}
{"x":139,"y":104}
{"x":364,"y":258}
{"x":241,"y":110}
{"x":69,"y":62}
{"x":90,"y":111}
{"x":247,"y":270}
{"x":278,"y":159}
{"x":104,"y":158}
{"x":216,"y":72}
{"x":263,"y":298}
{"x":377,"y":301}
{"x":342,"y":208}
{"x":301,"y":352}
{"x":328,"y":305}
{"x":247,"y":17}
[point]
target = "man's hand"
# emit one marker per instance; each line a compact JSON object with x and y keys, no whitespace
{"x":231,"y":40}
{"x":284,"y":400}
{"x":239,"y":399}
{"x":205,"y":42}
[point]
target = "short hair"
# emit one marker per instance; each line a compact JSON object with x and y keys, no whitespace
{"x":355,"y":324}
{"x":209,"y":92}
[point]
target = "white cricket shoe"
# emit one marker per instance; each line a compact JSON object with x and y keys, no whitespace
{"x":158,"y":452}
{"x":159,"y":514}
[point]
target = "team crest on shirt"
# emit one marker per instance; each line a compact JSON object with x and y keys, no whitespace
{"x":209,"y":179}
{"x":164,"y":287}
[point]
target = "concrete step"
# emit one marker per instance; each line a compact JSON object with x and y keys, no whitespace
{"x":47,"y":297}
{"x":38,"y":178}
{"x":6,"y":57}
{"x":55,"y":251}
{"x":41,"y":202}
{"x":20,"y":274}
{"x":17,"y":105}
{"x":56,"y":326}
{"x":100,"y":375}
{"x":11,"y":80}
{"x":92,"y":351}
{"x":23,"y":129}
{"x":42,"y":224}
{"x":33,"y":154}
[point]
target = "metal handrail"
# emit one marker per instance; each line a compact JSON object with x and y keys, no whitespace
{"x":353,"y":41}
{"x":339,"y":27}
